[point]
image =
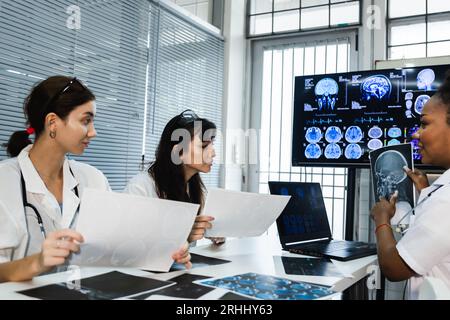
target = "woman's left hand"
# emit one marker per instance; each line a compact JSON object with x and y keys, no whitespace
{"x":217,"y":241}
{"x":183,"y":256}
{"x":384,"y":210}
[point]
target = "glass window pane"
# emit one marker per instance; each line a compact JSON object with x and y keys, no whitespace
{"x":402,"y":8}
{"x":408,"y":34}
{"x":439,"y":49}
{"x":275,"y":125}
{"x":309,"y":61}
{"x":320,"y":59}
{"x":439,"y":30}
{"x":261,"y":6}
{"x":286,"y":4}
{"x":286,"y":21}
{"x":435,"y":6}
{"x":343,"y":57}
{"x":310,"y":3}
{"x":261,"y":24}
{"x":331,"y":58}
{"x":408,"y":52}
{"x":315,"y":17}
{"x":344,"y":13}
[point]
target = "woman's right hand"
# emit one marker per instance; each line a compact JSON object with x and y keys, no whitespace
{"x":58,"y":246}
{"x":419,"y":178}
{"x":198,"y":230}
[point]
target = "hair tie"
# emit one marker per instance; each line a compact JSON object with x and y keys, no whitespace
{"x":30,"y":131}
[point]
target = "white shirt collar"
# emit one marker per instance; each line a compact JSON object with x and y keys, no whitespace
{"x":443,"y":179}
{"x":33,"y":181}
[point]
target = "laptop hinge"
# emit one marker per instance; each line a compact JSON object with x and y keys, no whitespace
{"x":307,"y":241}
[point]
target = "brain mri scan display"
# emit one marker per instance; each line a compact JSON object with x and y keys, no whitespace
{"x":326,"y":94}
{"x":389,"y":172}
{"x":425,"y":79}
{"x":333,"y":134}
{"x":376,"y":88}
{"x":313,"y":151}
{"x":313,"y":135}
{"x":333,"y":151}
{"x":354,"y":134}
{"x":395,"y":133}
{"x":393,"y":142}
{"x":420,"y":103}
{"x":375,"y":132}
{"x":342,"y":117}
{"x":415,"y":143}
{"x":375,"y":144}
{"x":353,"y":152}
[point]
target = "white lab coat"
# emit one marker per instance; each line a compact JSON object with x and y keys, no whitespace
{"x":142,"y":184}
{"x":20,"y":234}
{"x":426,"y":245}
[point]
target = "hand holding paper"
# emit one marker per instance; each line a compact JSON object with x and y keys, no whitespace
{"x":241,"y":214}
{"x":131,"y":231}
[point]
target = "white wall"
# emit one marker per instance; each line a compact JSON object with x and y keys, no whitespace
{"x":234,"y":92}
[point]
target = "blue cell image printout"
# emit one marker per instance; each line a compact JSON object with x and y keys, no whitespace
{"x":388,"y":175}
{"x":268,"y":287}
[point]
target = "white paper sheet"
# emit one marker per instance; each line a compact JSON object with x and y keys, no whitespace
{"x":123,"y":230}
{"x":242,"y":214}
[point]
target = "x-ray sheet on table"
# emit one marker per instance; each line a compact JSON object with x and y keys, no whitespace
{"x":122,"y":230}
{"x":112,"y":285}
{"x":242,"y":214}
{"x":268,"y":287}
{"x":388,"y":175}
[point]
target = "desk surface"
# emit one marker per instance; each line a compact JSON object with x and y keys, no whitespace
{"x":246,"y":255}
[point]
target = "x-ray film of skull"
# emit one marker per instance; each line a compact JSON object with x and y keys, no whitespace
{"x":388,"y":174}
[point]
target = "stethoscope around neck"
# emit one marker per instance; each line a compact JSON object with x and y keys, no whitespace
{"x":32,"y":207}
{"x":403,"y":228}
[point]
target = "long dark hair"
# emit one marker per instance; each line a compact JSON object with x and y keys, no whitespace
{"x":169,"y":177}
{"x":443,"y":94}
{"x":59,"y":95}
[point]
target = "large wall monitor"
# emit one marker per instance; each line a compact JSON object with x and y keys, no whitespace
{"x":340,"y":118}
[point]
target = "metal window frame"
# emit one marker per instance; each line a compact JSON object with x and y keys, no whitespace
{"x":299,"y":9}
{"x":427,"y":16}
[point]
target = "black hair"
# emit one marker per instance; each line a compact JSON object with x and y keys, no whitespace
{"x":169,"y":177}
{"x":443,"y":94}
{"x":48,"y":97}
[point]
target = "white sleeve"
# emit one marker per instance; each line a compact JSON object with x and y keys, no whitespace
{"x":427,"y":242}
{"x":9,"y":235}
{"x":141,"y":185}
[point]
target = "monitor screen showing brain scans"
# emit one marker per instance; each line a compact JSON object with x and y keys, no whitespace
{"x":340,"y":118}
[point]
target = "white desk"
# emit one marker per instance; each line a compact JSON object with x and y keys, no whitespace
{"x":246,"y":255}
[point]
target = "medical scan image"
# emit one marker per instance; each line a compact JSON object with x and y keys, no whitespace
{"x":409,"y":96}
{"x":375,"y":144}
{"x":425,"y":79}
{"x":354,"y":134}
{"x":313,"y":151}
{"x":415,"y":143}
{"x":376,"y":88}
{"x":333,"y":134}
{"x":420,"y":103}
{"x":395,"y":133}
{"x":313,"y":135}
{"x":326,"y":94}
{"x":389,"y":172}
{"x":393,"y":142}
{"x":333,"y":151}
{"x":375,"y":132}
{"x":353,"y":152}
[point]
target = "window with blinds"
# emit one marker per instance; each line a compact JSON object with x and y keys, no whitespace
{"x":115,"y":49}
{"x":187,"y":73}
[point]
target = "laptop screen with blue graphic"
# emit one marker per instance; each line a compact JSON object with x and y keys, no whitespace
{"x":305,"y":216}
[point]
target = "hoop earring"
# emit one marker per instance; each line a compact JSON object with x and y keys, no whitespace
{"x":53,"y":134}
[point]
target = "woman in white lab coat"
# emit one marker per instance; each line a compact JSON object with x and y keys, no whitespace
{"x":424,"y":250}
{"x":185,"y":150}
{"x":40,"y":189}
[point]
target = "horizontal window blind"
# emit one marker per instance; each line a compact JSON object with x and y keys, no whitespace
{"x":131,"y":54}
{"x":186,"y":73}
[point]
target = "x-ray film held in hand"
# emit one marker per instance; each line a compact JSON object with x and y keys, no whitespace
{"x":388,"y":174}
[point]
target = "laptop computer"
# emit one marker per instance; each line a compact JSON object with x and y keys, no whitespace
{"x":303,"y":225}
